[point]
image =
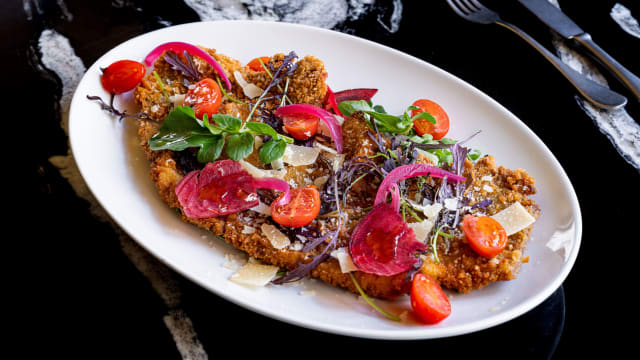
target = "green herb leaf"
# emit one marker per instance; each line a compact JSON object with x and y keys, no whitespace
{"x":474,"y":155}
{"x":385,"y":122}
{"x":264,"y":129}
{"x":227,"y":122}
{"x":179,"y":130}
{"x":211,"y":149}
{"x":214,"y":129}
{"x":239,"y":146}
{"x":424,"y":115}
{"x":380,"y":109}
{"x":371,"y":303}
{"x":272,"y":150}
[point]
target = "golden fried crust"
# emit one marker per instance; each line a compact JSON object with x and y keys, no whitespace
{"x":307,"y":85}
{"x":462,"y":269}
{"x":166,"y":175}
{"x":459,"y":267}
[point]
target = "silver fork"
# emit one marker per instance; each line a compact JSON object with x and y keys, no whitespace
{"x":597,"y":94}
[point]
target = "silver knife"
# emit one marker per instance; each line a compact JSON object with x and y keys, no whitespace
{"x":562,"y":24}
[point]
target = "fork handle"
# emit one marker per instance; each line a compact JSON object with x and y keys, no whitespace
{"x":631,"y":81}
{"x":597,"y":94}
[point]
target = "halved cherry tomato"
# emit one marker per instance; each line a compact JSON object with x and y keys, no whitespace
{"x":301,"y":126}
{"x":122,"y":76}
{"x":423,"y":126}
{"x":485,"y":235}
{"x":204,"y":97}
{"x":255,"y":63}
{"x":300,"y":211}
{"x":428,"y":300}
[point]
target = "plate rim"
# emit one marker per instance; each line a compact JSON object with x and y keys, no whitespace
{"x":411,"y":333}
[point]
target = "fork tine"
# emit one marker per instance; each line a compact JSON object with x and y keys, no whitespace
{"x":455,"y":8}
{"x":477,"y":4}
{"x":471,"y":5}
{"x":463,"y":7}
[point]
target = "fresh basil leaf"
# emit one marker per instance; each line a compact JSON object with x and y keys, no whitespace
{"x":214,"y":129}
{"x":347,"y":108}
{"x":210,"y":149}
{"x":239,"y":146}
{"x":271,"y":151}
{"x":380,"y":109}
{"x":444,"y":155}
{"x":424,"y":139}
{"x":424,"y":115}
{"x":227,"y":122}
{"x":474,"y":155}
{"x":390,"y":123}
{"x":179,"y":130}
{"x":262,"y":129}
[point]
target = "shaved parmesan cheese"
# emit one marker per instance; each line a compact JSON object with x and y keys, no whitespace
{"x":324,"y":148}
{"x":430,"y":211}
{"x":344,"y":258}
{"x":257,"y":142}
{"x":262,"y":208}
{"x":250,"y":90}
{"x":277,"y":239}
{"x":248,"y":230}
{"x":451,"y":203}
{"x":177,"y":99}
{"x":261,"y":173}
{"x":254,"y":273}
{"x":277,"y":164}
{"x":514,"y":218}
{"x":296,"y":155}
{"x":421,"y":229}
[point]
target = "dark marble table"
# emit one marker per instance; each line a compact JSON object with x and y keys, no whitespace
{"x":81,"y":291}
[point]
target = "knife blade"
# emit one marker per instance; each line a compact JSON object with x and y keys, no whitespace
{"x":554,"y":18}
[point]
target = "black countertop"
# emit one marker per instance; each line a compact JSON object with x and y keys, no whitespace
{"x":82,"y":295}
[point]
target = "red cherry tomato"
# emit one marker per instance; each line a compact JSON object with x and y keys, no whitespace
{"x":300,"y":211}
{"x":122,"y":76}
{"x":255,"y":63}
{"x":428,"y":300}
{"x":301,"y":126}
{"x":423,"y":126}
{"x":485,"y":235}
{"x":205,"y":98}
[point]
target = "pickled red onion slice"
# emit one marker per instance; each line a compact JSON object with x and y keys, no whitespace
{"x":275,"y":184}
{"x":179,"y":47}
{"x":408,"y":171}
{"x":383,"y":244}
{"x":220,"y":188}
{"x":334,"y":128}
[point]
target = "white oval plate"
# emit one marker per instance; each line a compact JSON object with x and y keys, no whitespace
{"x":116,"y":171}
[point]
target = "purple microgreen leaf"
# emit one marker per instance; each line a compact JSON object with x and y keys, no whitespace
{"x":143,"y":116}
{"x":188,"y":69}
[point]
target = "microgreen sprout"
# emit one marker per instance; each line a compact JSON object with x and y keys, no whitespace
{"x":371,"y":303}
{"x":224,"y":93}
{"x":164,"y":92}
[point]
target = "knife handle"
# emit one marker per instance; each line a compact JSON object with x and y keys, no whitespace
{"x":631,"y":81}
{"x":597,"y":94}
